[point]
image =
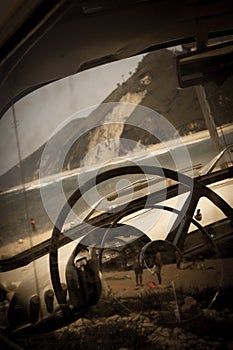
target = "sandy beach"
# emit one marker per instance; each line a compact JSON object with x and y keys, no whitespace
{"x":22,"y":244}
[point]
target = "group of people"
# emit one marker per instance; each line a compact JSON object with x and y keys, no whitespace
{"x":157,"y":268}
{"x":138,"y":268}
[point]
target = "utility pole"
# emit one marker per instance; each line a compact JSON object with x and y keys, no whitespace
{"x":209,"y":119}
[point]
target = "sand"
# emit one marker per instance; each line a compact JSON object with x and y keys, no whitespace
{"x":11,"y":249}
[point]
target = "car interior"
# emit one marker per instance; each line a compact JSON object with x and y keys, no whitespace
{"x":116,"y":142}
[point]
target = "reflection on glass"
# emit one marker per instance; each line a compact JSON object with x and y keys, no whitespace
{"x":156,"y":279}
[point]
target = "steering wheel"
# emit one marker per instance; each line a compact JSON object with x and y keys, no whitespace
{"x":170,"y":252}
{"x":176,"y":236}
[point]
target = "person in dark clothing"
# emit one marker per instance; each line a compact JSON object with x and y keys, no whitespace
{"x":138,"y":270}
{"x":33,"y":225}
{"x":178,"y":259}
{"x":158,"y":265}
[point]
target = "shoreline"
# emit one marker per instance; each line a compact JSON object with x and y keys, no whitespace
{"x":185,"y":140}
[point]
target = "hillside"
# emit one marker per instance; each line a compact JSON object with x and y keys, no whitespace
{"x":153,"y":85}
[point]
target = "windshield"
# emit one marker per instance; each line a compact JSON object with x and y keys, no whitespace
{"x":129,"y":112}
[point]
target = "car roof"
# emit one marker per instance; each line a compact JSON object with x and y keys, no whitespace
{"x":42,"y":41}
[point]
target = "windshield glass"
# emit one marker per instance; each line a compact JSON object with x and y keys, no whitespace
{"x":129,"y":112}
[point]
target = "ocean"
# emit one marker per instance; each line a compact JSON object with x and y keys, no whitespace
{"x":17,"y":208}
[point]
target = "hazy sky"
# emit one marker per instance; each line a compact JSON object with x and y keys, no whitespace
{"x":40,"y":113}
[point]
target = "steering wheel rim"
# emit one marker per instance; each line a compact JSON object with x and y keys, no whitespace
{"x":204,"y":233}
{"x":192,"y":184}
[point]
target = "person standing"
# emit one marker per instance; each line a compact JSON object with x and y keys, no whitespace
{"x":178,"y":259}
{"x":33,"y":224}
{"x":138,"y":269}
{"x":158,"y":265}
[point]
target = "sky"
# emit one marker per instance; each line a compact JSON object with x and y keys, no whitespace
{"x":40,"y":113}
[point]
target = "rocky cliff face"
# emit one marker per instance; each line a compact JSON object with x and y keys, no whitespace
{"x":105,"y":141}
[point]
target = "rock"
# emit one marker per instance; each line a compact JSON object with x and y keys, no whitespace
{"x":176,"y":331}
{"x":166,"y":333}
{"x":210,"y":313}
{"x":87,"y":322}
{"x":148,"y":324}
{"x":114,"y":318}
{"x":135,"y":317}
{"x":79,"y":322}
{"x":182,"y":336}
{"x":189,"y":304}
